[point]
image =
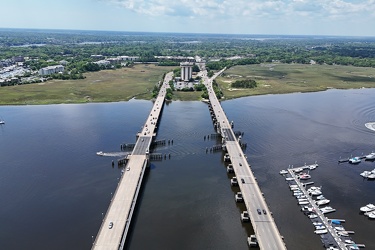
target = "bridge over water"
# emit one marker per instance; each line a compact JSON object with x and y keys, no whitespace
{"x":265,"y":228}
{"x":113,"y":231}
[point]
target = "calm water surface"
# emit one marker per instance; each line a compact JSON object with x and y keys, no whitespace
{"x":54,"y":189}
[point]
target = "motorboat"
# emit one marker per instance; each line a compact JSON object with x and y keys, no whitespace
{"x":355,"y":160}
{"x":100,"y":153}
{"x":320,"y":197}
{"x":2,"y":122}
{"x":327,"y":209}
{"x":343,"y":233}
{"x":315,"y":192}
{"x":339,"y":228}
{"x":305,"y":177}
{"x":282,"y":172}
{"x":322,"y":231}
{"x":312,"y":216}
{"x":320,"y":227}
{"x":307,"y":209}
{"x":314,"y":166}
{"x":295,"y":189}
{"x":365,"y":174}
{"x":370,"y":157}
{"x":368,"y":208}
{"x":289,"y":178}
{"x":317,"y":223}
{"x":371,"y":215}
{"x":303,"y":202}
{"x":322,"y":202}
{"x":298,"y":170}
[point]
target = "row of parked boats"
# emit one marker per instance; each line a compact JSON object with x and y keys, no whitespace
{"x":358,"y":159}
{"x":368,"y":210}
{"x":314,"y":205}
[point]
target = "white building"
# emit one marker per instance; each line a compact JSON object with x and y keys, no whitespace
{"x":103,"y":63}
{"x":51,"y":70}
{"x":186,"y":70}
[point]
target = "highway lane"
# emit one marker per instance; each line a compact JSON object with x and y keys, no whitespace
{"x":263,"y":223}
{"x":113,"y":231}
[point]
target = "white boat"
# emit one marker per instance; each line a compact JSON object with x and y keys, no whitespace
{"x":343,"y":233}
{"x":317,"y":223}
{"x":303,"y":202}
{"x":327,"y":209}
{"x":371,"y":176}
{"x":315,"y":193}
{"x":320,"y":197}
{"x":354,"y":160}
{"x":100,"y":153}
{"x":320,"y":227}
{"x":297,"y":170}
{"x":312,"y":216}
{"x":282,"y":172}
{"x":371,"y":215}
{"x":2,"y":122}
{"x":365,"y":174}
{"x":370,"y":157}
{"x":322,"y":202}
{"x":314,"y":166}
{"x":305,"y":177}
{"x":339,"y":228}
{"x":289,"y":179}
{"x":323,"y":231}
{"x":368,"y":208}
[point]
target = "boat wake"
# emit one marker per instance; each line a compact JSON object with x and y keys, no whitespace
{"x":370,"y":125}
{"x":113,"y":154}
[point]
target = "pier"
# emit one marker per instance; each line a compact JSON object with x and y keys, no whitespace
{"x":113,"y":231}
{"x":332,"y":237}
{"x":266,"y":231}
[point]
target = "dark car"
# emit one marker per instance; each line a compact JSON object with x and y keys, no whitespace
{"x":264,"y":211}
{"x":259,"y":212}
{"x":242,"y":180}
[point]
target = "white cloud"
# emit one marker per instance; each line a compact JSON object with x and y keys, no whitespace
{"x":250,"y":8}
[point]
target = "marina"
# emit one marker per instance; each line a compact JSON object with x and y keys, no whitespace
{"x":332,"y":233}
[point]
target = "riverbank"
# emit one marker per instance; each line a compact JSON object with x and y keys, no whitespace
{"x":138,"y":82}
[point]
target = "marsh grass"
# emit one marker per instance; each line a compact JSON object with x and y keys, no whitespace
{"x":103,"y":86}
{"x":288,"y":78}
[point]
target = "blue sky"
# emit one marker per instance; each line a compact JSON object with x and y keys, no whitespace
{"x":289,"y":17}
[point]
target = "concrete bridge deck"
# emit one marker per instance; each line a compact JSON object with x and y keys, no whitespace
{"x":265,"y":228}
{"x":113,"y":231}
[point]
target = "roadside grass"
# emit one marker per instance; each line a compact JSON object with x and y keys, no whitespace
{"x":288,"y":78}
{"x":103,"y":86}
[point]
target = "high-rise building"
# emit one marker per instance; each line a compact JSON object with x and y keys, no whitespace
{"x":186,"y":70}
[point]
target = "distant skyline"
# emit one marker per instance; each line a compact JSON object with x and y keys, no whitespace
{"x":274,"y":17}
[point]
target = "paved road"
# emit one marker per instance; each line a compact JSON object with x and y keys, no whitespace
{"x":266,"y":231}
{"x":122,"y":205}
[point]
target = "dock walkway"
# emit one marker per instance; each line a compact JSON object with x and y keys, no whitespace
{"x":113,"y":231}
{"x":265,"y":228}
{"x":332,"y":237}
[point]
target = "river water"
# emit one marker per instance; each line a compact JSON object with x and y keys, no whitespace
{"x":54,"y":189}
